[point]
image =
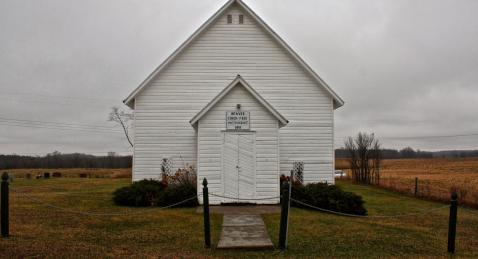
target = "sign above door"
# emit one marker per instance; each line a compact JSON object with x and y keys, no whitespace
{"x":237,"y":120}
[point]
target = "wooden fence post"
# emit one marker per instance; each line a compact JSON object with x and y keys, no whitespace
{"x":284,"y":215}
{"x":207,"y":225}
{"x":452,"y":223}
{"x":4,"y":205}
{"x":416,"y":186}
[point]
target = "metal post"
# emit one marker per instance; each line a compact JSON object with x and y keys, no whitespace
{"x":291,"y":182}
{"x":284,"y":215}
{"x":416,"y":186}
{"x":452,"y":223}
{"x":207,"y":225}
{"x":4,"y":205}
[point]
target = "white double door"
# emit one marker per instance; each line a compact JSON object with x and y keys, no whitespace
{"x":239,"y":162}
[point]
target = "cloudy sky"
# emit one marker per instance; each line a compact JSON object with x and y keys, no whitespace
{"x":407,"y":70}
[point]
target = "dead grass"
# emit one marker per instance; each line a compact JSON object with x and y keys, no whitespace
{"x":437,"y":177}
{"x":43,"y":232}
{"x":341,"y":164}
{"x":74,"y":172}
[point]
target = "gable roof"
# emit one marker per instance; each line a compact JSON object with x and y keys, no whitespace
{"x":238,"y":81}
{"x":337,"y":100}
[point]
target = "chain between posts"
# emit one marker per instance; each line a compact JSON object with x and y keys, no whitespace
{"x":89,"y":213}
{"x":367,"y":216}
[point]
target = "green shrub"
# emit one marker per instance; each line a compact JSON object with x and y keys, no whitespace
{"x":139,"y":194}
{"x":298,"y":193}
{"x":330,"y":197}
{"x":176,"y":193}
{"x":146,"y":193}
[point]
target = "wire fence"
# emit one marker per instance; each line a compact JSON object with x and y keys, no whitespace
{"x":335,"y":212}
{"x":285,"y":198}
{"x":155,"y":209}
{"x":470,"y":210}
{"x":90,"y":213}
{"x":368,"y":216}
{"x":427,"y":189}
{"x":341,"y":213}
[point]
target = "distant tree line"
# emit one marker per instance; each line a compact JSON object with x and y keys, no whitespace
{"x":58,"y":160}
{"x":112,"y":160}
{"x":409,"y":152}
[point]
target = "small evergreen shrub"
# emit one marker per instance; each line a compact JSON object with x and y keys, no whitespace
{"x":298,"y":193}
{"x":172,"y":189}
{"x":176,"y":193}
{"x":330,"y":197}
{"x":139,"y":194}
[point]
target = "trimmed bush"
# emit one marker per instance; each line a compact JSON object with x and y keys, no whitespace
{"x":330,"y":197}
{"x":139,"y":194}
{"x":146,"y":193}
{"x":176,"y":193}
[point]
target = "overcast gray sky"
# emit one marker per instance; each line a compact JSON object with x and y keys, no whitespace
{"x":406,"y":69}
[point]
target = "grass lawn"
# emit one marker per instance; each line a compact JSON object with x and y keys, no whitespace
{"x":39,"y":231}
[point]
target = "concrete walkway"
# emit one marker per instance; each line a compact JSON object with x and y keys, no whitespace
{"x":244,"y":231}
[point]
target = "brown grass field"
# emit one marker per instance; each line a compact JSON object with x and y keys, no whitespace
{"x":437,"y":177}
{"x":41,"y":231}
{"x":74,"y":172}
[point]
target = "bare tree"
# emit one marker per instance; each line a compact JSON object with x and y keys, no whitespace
{"x":365,"y":158}
{"x":124,"y":119}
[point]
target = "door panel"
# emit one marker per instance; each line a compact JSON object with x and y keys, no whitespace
{"x":239,"y":161}
{"x":246,"y":166}
{"x":230,"y":161}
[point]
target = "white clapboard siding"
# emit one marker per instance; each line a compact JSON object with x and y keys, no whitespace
{"x":264,"y":127}
{"x":163,"y":108}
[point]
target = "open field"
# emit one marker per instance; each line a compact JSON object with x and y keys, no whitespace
{"x":437,"y":177}
{"x":39,"y":231}
{"x":74,"y":172}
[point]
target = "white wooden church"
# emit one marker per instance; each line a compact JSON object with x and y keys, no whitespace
{"x":238,"y":103}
